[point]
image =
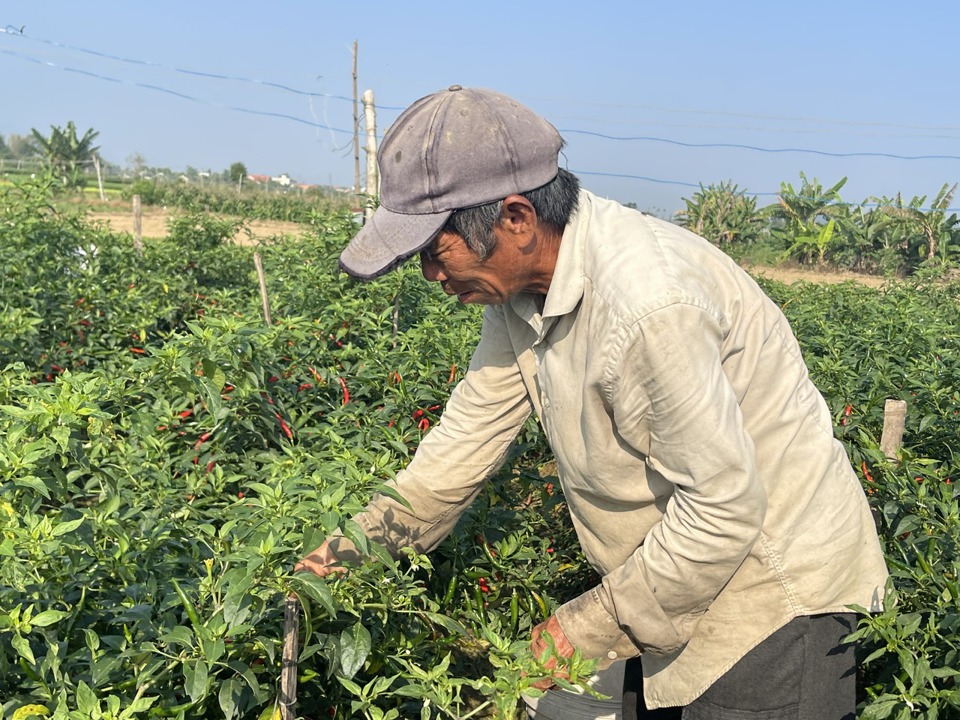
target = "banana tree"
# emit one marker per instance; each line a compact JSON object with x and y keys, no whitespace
{"x":866,"y":239}
{"x":723,"y":214}
{"x":67,"y":155}
{"x":799,"y":215}
{"x":931,"y":226}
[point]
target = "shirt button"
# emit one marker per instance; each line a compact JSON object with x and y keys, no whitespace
{"x":612,"y":654}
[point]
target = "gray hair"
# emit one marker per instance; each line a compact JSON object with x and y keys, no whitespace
{"x":554,"y":202}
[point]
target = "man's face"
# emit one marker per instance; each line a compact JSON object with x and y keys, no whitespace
{"x":492,"y":281}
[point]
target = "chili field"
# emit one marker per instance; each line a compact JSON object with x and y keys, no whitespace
{"x":166,"y":457}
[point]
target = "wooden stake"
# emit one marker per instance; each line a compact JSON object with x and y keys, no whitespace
{"x":370,"y":116}
{"x":263,"y":288}
{"x":96,"y":165}
{"x":291,"y":651}
{"x":894,"y":418}
{"x":396,"y":318}
{"x":137,"y":226}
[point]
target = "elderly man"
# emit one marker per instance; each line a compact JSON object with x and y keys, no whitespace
{"x":696,"y":456}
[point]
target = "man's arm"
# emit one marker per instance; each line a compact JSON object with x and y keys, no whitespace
{"x":670,"y":379}
{"x":471,"y":441}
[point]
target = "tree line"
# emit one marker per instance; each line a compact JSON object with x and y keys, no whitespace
{"x":809,"y":225}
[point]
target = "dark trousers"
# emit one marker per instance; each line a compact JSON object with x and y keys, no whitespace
{"x":802,"y":672}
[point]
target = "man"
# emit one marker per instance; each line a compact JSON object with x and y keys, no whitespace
{"x":697,"y":459}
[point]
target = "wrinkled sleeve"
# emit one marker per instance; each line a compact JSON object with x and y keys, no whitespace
{"x":480,"y":421}
{"x":668,"y":376}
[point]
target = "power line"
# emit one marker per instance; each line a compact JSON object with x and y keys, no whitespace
{"x":569,"y":131}
{"x":175,"y":93}
{"x":185,"y":71}
{"x":14,"y":31}
{"x":737,"y":146}
{"x":10,"y":30}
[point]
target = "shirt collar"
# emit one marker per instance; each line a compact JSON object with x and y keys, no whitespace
{"x":566,"y":286}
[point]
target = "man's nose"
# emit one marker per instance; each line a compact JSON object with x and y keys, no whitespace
{"x":431,"y":269}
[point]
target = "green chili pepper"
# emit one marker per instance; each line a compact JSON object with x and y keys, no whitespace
{"x":187,"y":605}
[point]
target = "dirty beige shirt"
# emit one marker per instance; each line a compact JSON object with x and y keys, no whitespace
{"x":696,"y":456}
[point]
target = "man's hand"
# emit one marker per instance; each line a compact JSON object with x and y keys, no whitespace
{"x":539,"y":644}
{"x":321,"y":562}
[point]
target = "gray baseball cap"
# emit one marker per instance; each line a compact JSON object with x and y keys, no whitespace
{"x":458,"y":148}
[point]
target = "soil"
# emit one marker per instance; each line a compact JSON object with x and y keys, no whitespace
{"x":790,"y":275}
{"x":154,"y":225}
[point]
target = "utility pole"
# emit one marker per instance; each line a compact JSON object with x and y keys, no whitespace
{"x":356,"y":128}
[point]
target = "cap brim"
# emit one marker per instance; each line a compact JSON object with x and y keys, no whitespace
{"x":387,"y":240}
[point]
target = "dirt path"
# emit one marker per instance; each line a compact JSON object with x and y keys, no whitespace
{"x":153,"y":224}
{"x":790,"y":275}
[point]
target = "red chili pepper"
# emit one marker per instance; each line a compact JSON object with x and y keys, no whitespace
{"x":284,"y":427}
{"x":346,"y":393}
{"x":138,"y":351}
{"x":211,"y":465}
{"x":424,"y":424}
{"x":202,"y":440}
{"x":186,"y":413}
{"x":453,"y":374}
{"x":866,"y":471}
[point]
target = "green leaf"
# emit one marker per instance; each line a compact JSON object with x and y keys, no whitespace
{"x":446,"y":623}
{"x":180,"y":635}
{"x":34,"y":483}
{"x":355,"y":643}
{"x":212,"y":371}
{"x":196,"y":676}
{"x":22,"y":646}
{"x":87,"y":700}
{"x":244,"y":671}
{"x":138,"y":706}
{"x":66,"y":527}
{"x":229,"y":697}
{"x":316,"y":589}
{"x":61,"y":433}
{"x":47,"y":618}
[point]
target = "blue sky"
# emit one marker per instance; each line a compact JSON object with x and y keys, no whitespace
{"x":825,"y":77}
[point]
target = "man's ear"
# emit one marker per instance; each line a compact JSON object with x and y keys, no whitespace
{"x":517,"y":215}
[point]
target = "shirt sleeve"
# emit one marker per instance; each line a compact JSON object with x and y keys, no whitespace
{"x":668,"y":378}
{"x":480,"y":421}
